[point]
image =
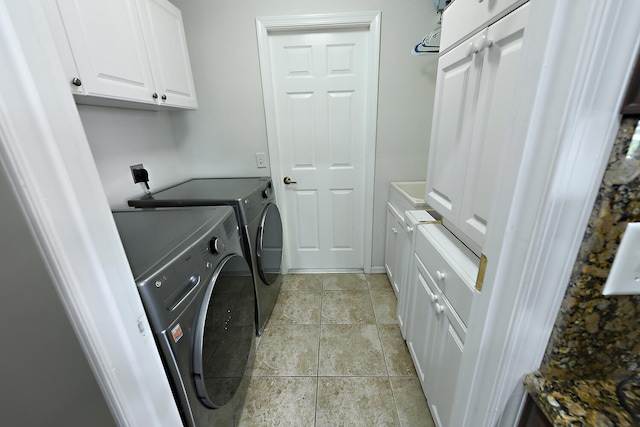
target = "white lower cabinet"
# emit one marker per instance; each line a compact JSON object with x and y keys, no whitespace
{"x":435,"y":331}
{"x":403,"y":197}
{"x":422,"y":328}
{"x":394,"y":231}
{"x":412,"y":219}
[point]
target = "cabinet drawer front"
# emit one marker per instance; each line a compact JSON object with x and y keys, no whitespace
{"x":466,"y":17}
{"x":435,"y":296}
{"x":399,"y":203}
{"x":453,"y":267}
{"x":391,"y":209}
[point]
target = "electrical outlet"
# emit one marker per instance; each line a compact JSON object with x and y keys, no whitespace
{"x":135,"y":172}
{"x":140,"y":175}
{"x":624,"y":277}
{"x":261,"y":160}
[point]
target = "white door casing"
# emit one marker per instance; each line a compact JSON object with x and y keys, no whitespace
{"x":45,"y":154}
{"x":319,"y":78}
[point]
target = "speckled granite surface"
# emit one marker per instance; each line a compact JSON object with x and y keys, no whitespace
{"x":588,"y":403}
{"x":596,"y":339}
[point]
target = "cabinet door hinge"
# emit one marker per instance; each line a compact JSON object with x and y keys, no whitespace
{"x":481,"y":270}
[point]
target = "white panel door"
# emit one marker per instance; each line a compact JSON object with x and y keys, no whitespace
{"x":319,"y":81}
{"x":109,"y":48}
{"x":502,"y":62}
{"x":167,"y":45}
{"x":456,"y":92}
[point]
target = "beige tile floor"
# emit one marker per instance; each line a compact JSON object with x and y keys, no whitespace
{"x":332,"y":355}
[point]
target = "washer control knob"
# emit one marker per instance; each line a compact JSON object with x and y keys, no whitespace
{"x":215,"y":246}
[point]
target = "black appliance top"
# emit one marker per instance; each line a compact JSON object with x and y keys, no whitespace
{"x":150,"y":237}
{"x":203,"y":192}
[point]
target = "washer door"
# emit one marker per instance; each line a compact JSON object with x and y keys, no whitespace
{"x":269,"y":244}
{"x":225,"y":329}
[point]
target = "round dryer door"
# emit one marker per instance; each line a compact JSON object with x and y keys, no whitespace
{"x":269,"y":244}
{"x":225,"y":331}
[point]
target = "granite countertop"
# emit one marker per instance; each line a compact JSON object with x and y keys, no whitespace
{"x":591,"y":403}
{"x":595,"y":342}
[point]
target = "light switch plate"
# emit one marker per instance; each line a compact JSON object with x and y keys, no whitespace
{"x":624,"y":277}
{"x":261,"y":160}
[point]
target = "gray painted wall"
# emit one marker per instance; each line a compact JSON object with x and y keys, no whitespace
{"x":220,"y":139}
{"x":46,"y":379}
{"x":121,"y":137}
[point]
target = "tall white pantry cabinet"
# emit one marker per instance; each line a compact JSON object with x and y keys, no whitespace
{"x":474,"y":93}
{"x":476,"y":82}
{"x":129,"y":53}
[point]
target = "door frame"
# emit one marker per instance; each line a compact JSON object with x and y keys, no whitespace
{"x":46,"y":156}
{"x":368,"y":20}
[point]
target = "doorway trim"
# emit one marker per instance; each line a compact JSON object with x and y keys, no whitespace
{"x":368,"y":20}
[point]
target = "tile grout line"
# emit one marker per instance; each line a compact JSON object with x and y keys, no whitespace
{"x":315,"y":413}
{"x":395,"y":394}
{"x":375,"y":316}
{"x":384,"y":356}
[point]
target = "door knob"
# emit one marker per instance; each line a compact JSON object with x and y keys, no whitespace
{"x":288,"y":181}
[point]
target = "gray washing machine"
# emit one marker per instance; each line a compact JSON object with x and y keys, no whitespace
{"x":197,"y":290}
{"x":258,"y":216}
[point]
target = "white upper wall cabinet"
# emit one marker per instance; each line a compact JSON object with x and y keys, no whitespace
{"x":129,"y":53}
{"x":167,"y":48}
{"x":474,"y":94}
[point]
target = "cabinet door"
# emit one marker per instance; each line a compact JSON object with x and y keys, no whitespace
{"x":108,"y":48}
{"x":59,"y":35}
{"x":167,"y":47}
{"x":424,"y":329}
{"x":502,"y":52}
{"x":405,"y":280}
{"x":390,"y":252}
{"x":456,"y":92}
{"x":447,"y":367}
{"x":420,"y":315}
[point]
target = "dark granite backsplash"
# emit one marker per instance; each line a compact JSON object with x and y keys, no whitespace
{"x":597,"y":336}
